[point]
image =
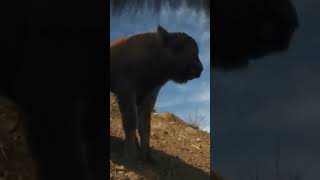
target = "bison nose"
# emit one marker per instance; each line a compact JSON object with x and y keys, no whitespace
{"x":200,"y":67}
{"x":199,"y":70}
{"x":198,"y":74}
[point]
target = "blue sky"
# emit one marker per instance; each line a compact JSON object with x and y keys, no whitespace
{"x":179,"y":99}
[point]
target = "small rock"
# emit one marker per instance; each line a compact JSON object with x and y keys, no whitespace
{"x":195,"y":146}
{"x":121,"y":172}
{"x":121,"y":168}
{"x":198,"y":139}
{"x":190,"y":130}
{"x":155,"y":136}
{"x":134,"y":176}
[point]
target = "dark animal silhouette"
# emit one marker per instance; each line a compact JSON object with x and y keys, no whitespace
{"x":139,"y":66}
{"x":241,"y":30}
{"x":53,"y":66}
{"x":249,"y":29}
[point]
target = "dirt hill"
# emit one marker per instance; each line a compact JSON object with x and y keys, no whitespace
{"x":181,"y":152}
{"x":15,"y":160}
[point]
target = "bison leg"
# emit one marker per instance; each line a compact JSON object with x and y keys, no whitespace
{"x":128,"y":109}
{"x":144,"y":124}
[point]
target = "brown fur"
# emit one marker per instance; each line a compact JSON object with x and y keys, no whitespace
{"x":139,"y":66}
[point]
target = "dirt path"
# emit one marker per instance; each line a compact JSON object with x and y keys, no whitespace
{"x":181,"y":151}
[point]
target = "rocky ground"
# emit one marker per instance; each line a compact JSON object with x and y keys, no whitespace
{"x":181,"y":152}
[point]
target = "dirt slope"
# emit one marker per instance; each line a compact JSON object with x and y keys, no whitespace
{"x":15,"y":160}
{"x":181,"y":151}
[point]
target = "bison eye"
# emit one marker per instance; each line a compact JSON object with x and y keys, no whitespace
{"x":178,"y":48}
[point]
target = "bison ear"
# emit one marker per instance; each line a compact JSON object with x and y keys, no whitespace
{"x":164,"y":34}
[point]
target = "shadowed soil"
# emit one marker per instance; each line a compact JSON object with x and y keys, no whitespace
{"x":15,"y":160}
{"x":180,"y":151}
